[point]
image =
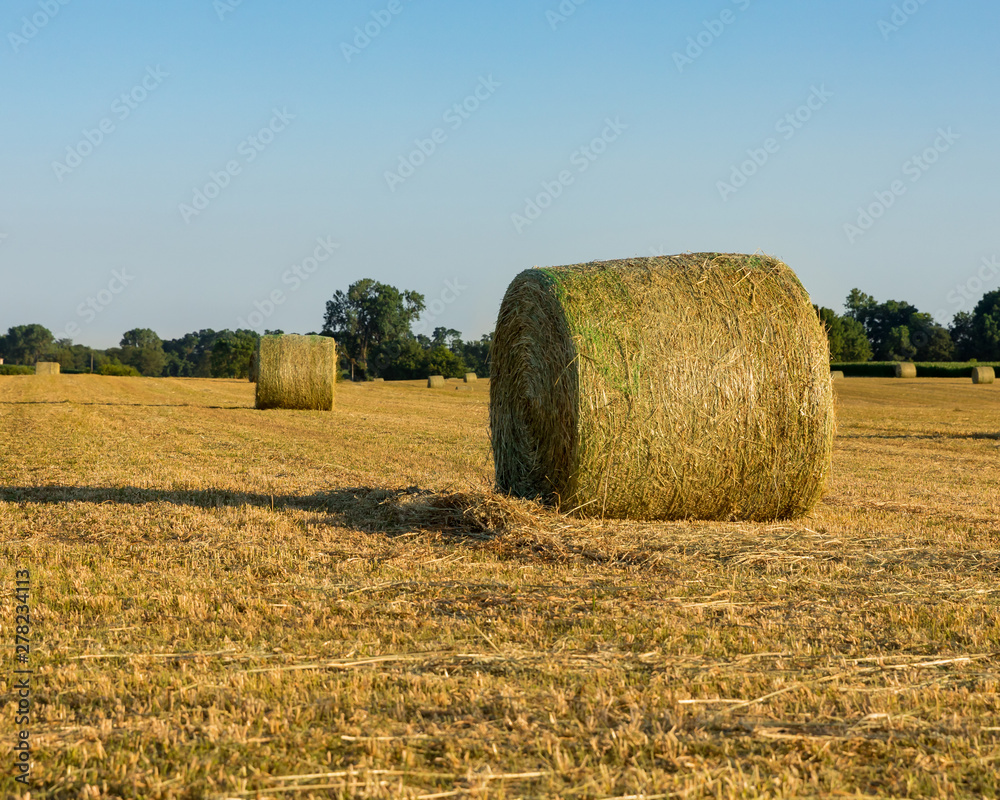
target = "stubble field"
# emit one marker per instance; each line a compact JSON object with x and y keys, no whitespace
{"x":234,"y":603}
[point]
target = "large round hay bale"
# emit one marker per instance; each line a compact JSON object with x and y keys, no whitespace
{"x":436,"y":382}
{"x":691,"y":386}
{"x":47,"y":368}
{"x":983,"y":375}
{"x":297,"y":372}
{"x":905,"y":370}
{"x":470,"y":377}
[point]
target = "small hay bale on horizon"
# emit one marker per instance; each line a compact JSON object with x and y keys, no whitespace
{"x":296,"y":372}
{"x":905,"y":369}
{"x":679,"y":387}
{"x":470,"y":377}
{"x":436,"y":382}
{"x":983,"y":375}
{"x":837,"y":375}
{"x":379,"y":380}
{"x":47,"y":368}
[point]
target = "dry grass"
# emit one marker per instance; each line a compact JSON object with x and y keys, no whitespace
{"x":678,"y":387}
{"x":231,"y":604}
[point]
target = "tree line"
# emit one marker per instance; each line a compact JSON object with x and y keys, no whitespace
{"x":895,"y":330}
{"x":371,"y":322}
{"x":373,"y":325}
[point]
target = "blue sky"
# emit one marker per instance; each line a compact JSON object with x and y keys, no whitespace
{"x":242,"y":139}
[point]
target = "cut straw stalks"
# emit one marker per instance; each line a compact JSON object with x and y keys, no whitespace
{"x":692,"y":386}
{"x":296,"y":372}
{"x":983,"y":375}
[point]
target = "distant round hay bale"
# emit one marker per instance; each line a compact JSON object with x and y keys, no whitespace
{"x":435,"y":382}
{"x":379,"y":380}
{"x":837,"y":375}
{"x":470,"y":377}
{"x":47,"y":368}
{"x":296,"y":372}
{"x":983,"y":375}
{"x":906,"y":370}
{"x":691,"y":386}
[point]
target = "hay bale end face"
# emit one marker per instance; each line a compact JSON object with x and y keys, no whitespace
{"x":678,"y":387}
{"x":983,"y":375}
{"x":254,"y":367}
{"x":906,"y":370}
{"x":837,"y":375}
{"x":47,"y":368}
{"x":296,"y":372}
{"x":470,"y":377}
{"x":435,"y":382}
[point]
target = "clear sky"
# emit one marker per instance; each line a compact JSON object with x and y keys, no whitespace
{"x":177,"y":165}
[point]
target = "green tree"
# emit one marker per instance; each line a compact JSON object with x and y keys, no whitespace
{"x":231,"y":353}
{"x":368,"y":315}
{"x":447,"y":337}
{"x":477,"y":354}
{"x":834,"y":332}
{"x":439,"y":360}
{"x":399,"y":360}
{"x":846,"y":335}
{"x":26,"y":344}
{"x":932,"y":340}
{"x":897,"y":345}
{"x":143,"y":349}
{"x":963,"y":336}
{"x":897,"y":330}
{"x":855,"y":344}
{"x":190,"y":356}
{"x":986,"y":327}
{"x":860,"y":305}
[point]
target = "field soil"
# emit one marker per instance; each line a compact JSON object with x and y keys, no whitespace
{"x":231,"y":603}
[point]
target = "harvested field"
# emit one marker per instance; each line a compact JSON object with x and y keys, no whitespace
{"x":234,"y":604}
